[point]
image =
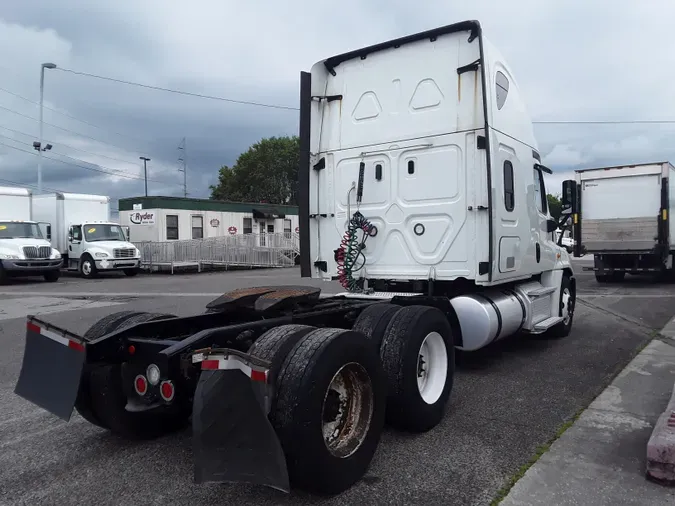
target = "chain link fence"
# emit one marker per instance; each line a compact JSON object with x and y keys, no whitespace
{"x":249,"y":250}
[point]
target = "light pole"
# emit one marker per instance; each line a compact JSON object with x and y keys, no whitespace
{"x":42,"y":92}
{"x":145,"y":171}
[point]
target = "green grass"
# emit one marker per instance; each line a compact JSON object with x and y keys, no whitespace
{"x":541,"y":449}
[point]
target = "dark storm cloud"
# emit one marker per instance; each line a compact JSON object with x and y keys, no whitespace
{"x":573,"y":60}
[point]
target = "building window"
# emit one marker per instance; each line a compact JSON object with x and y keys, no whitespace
{"x":171,"y":227}
{"x":509,"y":194}
{"x":287,"y":229}
{"x":198,"y":227}
{"x":248,"y":225}
{"x":540,"y":191}
{"x":502,"y":89}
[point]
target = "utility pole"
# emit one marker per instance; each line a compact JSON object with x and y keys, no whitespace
{"x":145,"y":171}
{"x":183,"y":160}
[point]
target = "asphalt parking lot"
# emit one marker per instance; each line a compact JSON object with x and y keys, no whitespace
{"x":507,"y":400}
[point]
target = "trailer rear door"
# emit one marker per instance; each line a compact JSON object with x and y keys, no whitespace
{"x":621,"y":208}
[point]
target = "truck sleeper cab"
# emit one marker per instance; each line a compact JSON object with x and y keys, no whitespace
{"x":435,"y":223}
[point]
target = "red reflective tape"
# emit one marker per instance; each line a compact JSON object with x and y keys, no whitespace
{"x":210,"y":364}
{"x":32,"y":327}
{"x":258,"y":375}
{"x":74,"y":345}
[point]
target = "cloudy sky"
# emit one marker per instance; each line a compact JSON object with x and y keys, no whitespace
{"x":575,"y":61}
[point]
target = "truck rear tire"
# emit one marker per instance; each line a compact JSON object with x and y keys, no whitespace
{"x":131,"y":272}
{"x":418,"y":354}
{"x":373,"y":321}
{"x":329,"y":410}
{"x":83,"y":403}
{"x":52,"y":276}
{"x":101,"y":398}
{"x":275,"y":345}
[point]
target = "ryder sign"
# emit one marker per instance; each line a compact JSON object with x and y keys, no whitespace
{"x":142,"y":218}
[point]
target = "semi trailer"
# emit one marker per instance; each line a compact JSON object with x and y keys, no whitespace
{"x":24,"y":250}
{"x":622,"y":217}
{"x":421,"y":191}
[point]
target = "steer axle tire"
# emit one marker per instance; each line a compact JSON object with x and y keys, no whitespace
{"x":329,"y":410}
{"x":418,"y":356}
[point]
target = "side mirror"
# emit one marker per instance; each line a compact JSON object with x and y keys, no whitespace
{"x":551,"y":225}
{"x":568,"y":200}
{"x":127,"y":233}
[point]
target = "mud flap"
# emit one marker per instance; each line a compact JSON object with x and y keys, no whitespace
{"x":51,"y":370}
{"x":232,"y":436}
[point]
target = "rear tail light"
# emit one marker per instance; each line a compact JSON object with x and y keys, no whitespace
{"x":141,"y":385}
{"x":166,"y":390}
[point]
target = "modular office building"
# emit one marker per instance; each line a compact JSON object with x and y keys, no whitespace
{"x":176,"y":218}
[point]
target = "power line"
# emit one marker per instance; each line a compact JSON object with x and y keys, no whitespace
{"x":128,"y":176}
{"x":180,"y":92}
{"x":64,"y":129}
{"x":30,"y":185}
{"x":68,"y":146}
{"x":65,"y":114}
{"x":608,"y":122}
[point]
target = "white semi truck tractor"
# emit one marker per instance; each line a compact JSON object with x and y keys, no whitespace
{"x":421,"y":189}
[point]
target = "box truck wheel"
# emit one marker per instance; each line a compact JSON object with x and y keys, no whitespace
{"x":88,"y":267}
{"x":329,"y":409}
{"x":131,"y":272}
{"x":52,"y":276}
{"x":418,"y":355}
{"x":373,"y":321}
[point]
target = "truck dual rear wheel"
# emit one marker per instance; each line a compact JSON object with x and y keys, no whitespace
{"x":373,"y":321}
{"x":418,"y":355}
{"x":102,"y":399}
{"x":329,"y":409}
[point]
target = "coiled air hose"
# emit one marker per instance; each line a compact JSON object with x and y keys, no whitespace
{"x":351,"y":248}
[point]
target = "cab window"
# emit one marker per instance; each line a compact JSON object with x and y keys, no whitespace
{"x":540,"y":192}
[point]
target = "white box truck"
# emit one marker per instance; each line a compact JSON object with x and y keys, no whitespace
{"x":84,"y":235}
{"x":24,"y":250}
{"x":622,"y":216}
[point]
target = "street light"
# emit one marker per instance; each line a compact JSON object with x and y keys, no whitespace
{"x":42,"y":92}
{"x":145,"y":170}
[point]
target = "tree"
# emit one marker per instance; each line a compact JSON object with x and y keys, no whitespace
{"x":266,"y":172}
{"x":554,"y":206}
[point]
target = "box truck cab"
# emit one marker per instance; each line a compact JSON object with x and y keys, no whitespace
{"x":24,"y":250}
{"x":84,"y":235}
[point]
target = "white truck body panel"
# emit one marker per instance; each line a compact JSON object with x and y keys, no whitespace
{"x":407,"y":112}
{"x":620,"y":206}
{"x":15,"y":204}
{"x":65,"y":209}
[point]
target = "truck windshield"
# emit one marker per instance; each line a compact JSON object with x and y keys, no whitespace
{"x":97,"y":232}
{"x":16,"y":230}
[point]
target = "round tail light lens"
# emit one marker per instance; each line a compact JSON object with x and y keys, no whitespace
{"x":166,"y":390}
{"x":141,"y":385}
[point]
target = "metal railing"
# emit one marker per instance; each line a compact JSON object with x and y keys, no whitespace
{"x":249,"y":250}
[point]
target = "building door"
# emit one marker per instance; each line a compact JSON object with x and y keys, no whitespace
{"x":261,"y":228}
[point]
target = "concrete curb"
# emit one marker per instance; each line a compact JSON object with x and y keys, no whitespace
{"x":661,"y":445}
